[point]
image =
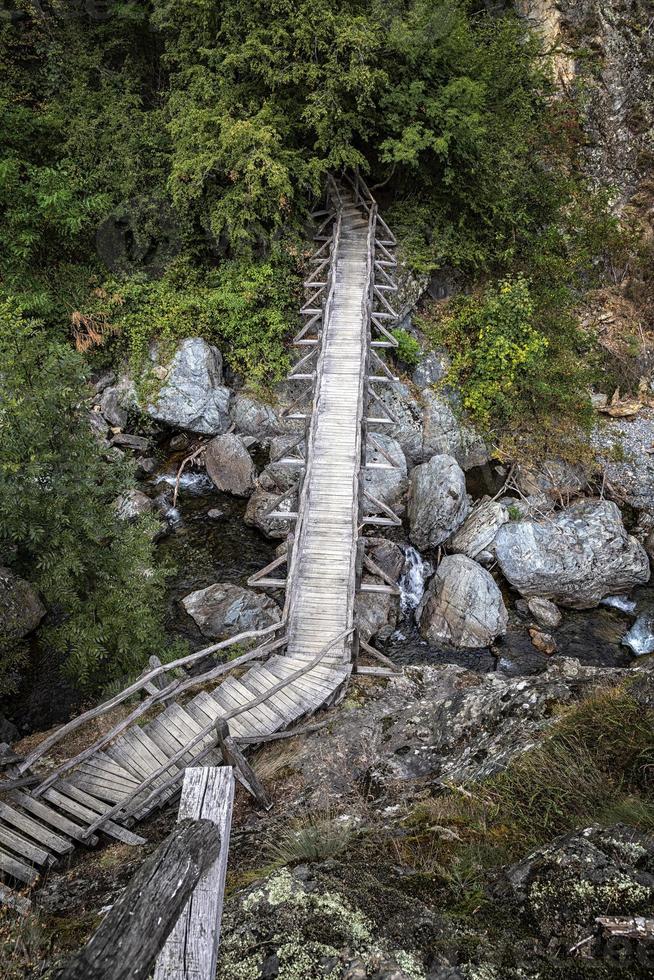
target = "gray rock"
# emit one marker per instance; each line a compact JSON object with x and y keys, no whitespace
{"x":192,"y":396}
{"x":278,"y":477}
{"x":230,"y":465}
{"x":103,"y":381}
{"x":21,"y":609}
{"x":574,"y":558}
{"x":563,"y":886}
{"x":225,"y":610}
{"x":129,"y":441}
{"x":552,"y":476}
{"x":375,"y":611}
{"x":255,"y":418}
{"x":445,"y":432}
{"x":271,"y":527}
{"x":389,"y":486}
{"x":432,"y":368}
{"x":118,"y":402}
{"x":8,"y":732}
{"x":545,"y":613}
{"x":438,"y":503}
{"x":99,"y":426}
{"x":215,"y":514}
{"x":631,"y":469}
{"x":131,"y":505}
{"x":388,"y":555}
{"x":478,"y":532}
{"x":145,"y":466}
{"x":408,"y":430}
{"x":462,"y":605}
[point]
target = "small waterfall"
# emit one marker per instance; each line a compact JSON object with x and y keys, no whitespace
{"x":412,"y":581}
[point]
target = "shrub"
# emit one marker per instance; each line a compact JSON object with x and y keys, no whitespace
{"x":408,"y":348}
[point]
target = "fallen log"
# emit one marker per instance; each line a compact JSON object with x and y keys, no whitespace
{"x":133,"y":932}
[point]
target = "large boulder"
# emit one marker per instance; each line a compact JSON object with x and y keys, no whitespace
{"x":253,"y":417}
{"x":551,"y":476}
{"x":631,"y":470}
{"x":438,"y":502}
{"x":387,"y":485}
{"x":192,"y":395}
{"x":230,"y":465}
{"x":21,"y":609}
{"x":225,"y":610}
{"x":375,"y":612}
{"x":118,"y":401}
{"x":478,"y":532}
{"x":272,"y":527}
{"x":574,"y":558}
{"x":462,"y":605}
{"x":562,"y":887}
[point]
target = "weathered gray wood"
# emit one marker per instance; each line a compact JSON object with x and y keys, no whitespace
{"x":49,"y":816}
{"x":235,"y":758}
{"x":135,"y":929}
{"x":106,"y":706}
{"x":35,"y":830}
{"x":191,"y":950}
{"x":17,"y":869}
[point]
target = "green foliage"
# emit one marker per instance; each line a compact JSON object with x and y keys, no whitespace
{"x":245,"y":307}
{"x":512,"y":374}
{"x":58,"y":528}
{"x":592,"y":766}
{"x":314,"y":839}
{"x":408,"y":348}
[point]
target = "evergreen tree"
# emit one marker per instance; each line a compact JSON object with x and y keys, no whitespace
{"x":58,"y":526}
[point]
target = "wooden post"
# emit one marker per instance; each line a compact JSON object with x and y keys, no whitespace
{"x":132,"y":933}
{"x":233,"y":756}
{"x":192,"y":947}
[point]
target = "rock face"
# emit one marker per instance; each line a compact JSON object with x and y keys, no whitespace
{"x":21,"y":609}
{"x":225,"y":610}
{"x":431,"y":368}
{"x":445,"y":432}
{"x":562,"y":887}
{"x":633,"y":474}
{"x":478,"y":532}
{"x":438,"y":503}
{"x":388,"y":486}
{"x":192,"y":396}
{"x":462,"y":605}
{"x":575,"y":558}
{"x":230,"y":465}
{"x":252,"y":417}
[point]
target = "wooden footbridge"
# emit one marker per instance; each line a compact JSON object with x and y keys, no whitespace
{"x":302,"y":663}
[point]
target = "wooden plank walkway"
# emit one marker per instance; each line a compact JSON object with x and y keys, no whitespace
{"x":191,"y":949}
{"x":321,"y":600}
{"x":136,"y":767}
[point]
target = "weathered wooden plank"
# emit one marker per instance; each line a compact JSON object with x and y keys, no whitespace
{"x":32,"y":828}
{"x":17,"y":869}
{"x":130,"y":936}
{"x":49,"y":816}
{"x":109,"y":828}
{"x":191,"y":950}
{"x":14,"y":901}
{"x":24,"y":848}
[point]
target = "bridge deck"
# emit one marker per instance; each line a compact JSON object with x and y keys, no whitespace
{"x":132,"y":768}
{"x":320,"y":605}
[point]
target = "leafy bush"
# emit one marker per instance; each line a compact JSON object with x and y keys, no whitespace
{"x":247,"y":308}
{"x":512,"y":375}
{"x":408,"y":348}
{"x":58,"y":527}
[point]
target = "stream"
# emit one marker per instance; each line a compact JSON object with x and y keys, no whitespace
{"x":221,"y":548}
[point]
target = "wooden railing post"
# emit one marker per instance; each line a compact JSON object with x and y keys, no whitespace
{"x":233,"y":756}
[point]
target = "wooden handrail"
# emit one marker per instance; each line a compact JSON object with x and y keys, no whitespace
{"x":138,"y":685}
{"x":201,"y":735}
